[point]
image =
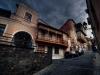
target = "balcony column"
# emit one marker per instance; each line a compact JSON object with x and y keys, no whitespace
{"x":53,"y":52}
{"x":56,"y":38}
{"x":61,"y":53}
{"x":48,"y":34}
{"x":46,"y":49}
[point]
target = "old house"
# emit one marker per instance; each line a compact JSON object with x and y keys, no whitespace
{"x":69,"y":28}
{"x":25,"y":30}
{"x":51,"y":39}
{"x":20,"y":26}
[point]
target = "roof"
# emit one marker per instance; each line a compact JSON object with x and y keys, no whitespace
{"x":48,"y":26}
{"x":65,"y":27}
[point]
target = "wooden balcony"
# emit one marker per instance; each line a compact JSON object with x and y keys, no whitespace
{"x":52,"y":41}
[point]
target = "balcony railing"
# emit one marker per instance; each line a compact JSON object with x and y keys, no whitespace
{"x":52,"y":40}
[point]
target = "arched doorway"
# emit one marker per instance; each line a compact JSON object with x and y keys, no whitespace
{"x":22,"y":39}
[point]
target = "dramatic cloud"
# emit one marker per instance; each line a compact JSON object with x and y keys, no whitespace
{"x":54,"y":12}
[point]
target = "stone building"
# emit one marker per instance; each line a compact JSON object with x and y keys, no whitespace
{"x":76,"y":36}
{"x":69,"y":28}
{"x":23,"y":29}
{"x":20,"y":25}
{"x":81,"y":36}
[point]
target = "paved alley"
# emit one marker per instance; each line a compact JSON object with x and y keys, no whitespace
{"x":83,"y":65}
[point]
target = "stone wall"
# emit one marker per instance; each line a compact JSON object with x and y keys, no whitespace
{"x":21,"y":61}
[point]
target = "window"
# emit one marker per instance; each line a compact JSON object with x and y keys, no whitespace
{"x":28,"y":16}
{"x":2,"y":28}
{"x":56,"y":50}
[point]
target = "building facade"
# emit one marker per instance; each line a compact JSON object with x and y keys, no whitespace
{"x":69,"y":28}
{"x":93,"y":11}
{"x":81,"y":36}
{"x":23,"y":29}
{"x":51,"y":39}
{"x":76,"y":36}
{"x":19,"y":25}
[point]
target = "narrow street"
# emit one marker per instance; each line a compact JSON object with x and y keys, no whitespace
{"x":49,"y":37}
{"x":83,"y":65}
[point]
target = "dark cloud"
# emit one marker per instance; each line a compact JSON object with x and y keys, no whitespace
{"x":54,"y":12}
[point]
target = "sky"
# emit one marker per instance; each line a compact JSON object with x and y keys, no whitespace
{"x":54,"y":12}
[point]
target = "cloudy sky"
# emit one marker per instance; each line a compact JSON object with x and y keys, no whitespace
{"x":54,"y":12}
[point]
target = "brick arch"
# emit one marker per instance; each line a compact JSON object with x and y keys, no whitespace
{"x":22,"y":39}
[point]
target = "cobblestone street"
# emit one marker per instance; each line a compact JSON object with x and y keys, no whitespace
{"x":83,"y":65}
